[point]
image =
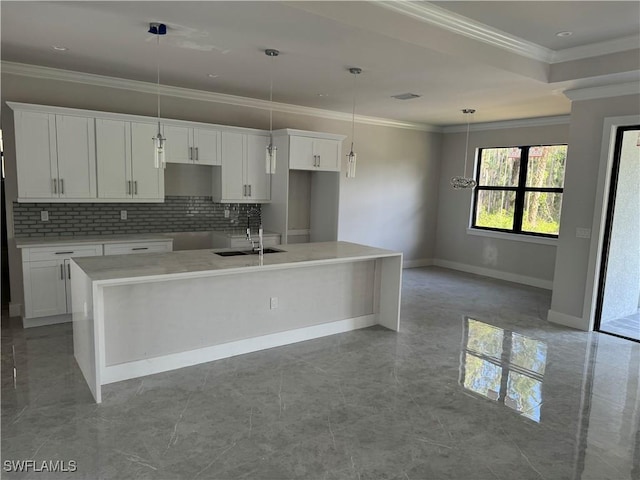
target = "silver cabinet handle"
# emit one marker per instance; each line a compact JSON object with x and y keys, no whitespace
{"x":69,"y":271}
{"x":319,"y":160}
{"x":140,"y":248}
{"x":64,"y":253}
{"x":135,"y":187}
{"x":249,"y":190}
{"x":128,"y":187}
{"x":55,"y":185}
{"x":197,"y":155}
{"x":61,"y":271}
{"x":62,"y":186}
{"x":190,"y":153}
{"x":244,"y":190}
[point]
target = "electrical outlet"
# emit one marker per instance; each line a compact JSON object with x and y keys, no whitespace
{"x":226,"y":213}
{"x":44,"y":216}
{"x":123,"y":214}
{"x":274,"y":303}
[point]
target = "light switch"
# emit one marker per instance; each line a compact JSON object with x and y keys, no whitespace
{"x":274,"y":303}
{"x":123,"y":214}
{"x":582,"y":232}
{"x":44,"y":216}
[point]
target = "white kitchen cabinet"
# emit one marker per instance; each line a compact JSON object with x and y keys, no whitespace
{"x":309,"y":153}
{"x":147,"y":181}
{"x":125,"y":163}
{"x":55,"y":156}
{"x":192,"y":145}
{"x":243,"y":176}
{"x":46,"y":274}
{"x":126,"y":248}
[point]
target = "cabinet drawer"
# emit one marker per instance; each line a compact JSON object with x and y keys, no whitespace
{"x":243,"y":243}
{"x":138,"y":247}
{"x":62,"y":252}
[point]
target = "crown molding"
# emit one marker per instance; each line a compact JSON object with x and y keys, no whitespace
{"x":440,"y":17}
{"x":596,"y":49}
{"x":520,"y":123}
{"x":603,"y":91}
{"x":48,"y":73}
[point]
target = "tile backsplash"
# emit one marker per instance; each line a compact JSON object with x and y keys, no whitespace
{"x":176,"y":214}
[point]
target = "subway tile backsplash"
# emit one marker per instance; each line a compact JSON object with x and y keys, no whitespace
{"x":176,"y":214}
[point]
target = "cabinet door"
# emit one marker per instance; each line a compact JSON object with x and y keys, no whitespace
{"x":113,"y":157}
{"x":255,"y":168}
{"x":206,"y":144}
{"x":37,"y":163}
{"x":178,"y":144}
{"x":75,"y":137}
{"x":44,"y":288}
{"x":148,"y":181}
{"x":233,"y":154}
{"x":327,"y":154}
{"x":301,"y":156}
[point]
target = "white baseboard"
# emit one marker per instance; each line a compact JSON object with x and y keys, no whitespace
{"x":567,"y":320}
{"x":43,"y":321}
{"x":489,"y":272}
{"x":15,"y":309}
{"x":139,"y":368}
{"x":424,"y":262}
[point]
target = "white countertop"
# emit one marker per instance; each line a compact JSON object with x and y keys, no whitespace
{"x":95,"y":239}
{"x":114,"y":269}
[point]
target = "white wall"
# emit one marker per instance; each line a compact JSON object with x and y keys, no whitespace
{"x":573,"y":277}
{"x":503,"y":258}
{"x":391,"y":203}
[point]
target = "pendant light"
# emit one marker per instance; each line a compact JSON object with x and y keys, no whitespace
{"x":351,"y":156}
{"x":272,"y":150}
{"x":159,"y":161}
{"x":463,"y":181}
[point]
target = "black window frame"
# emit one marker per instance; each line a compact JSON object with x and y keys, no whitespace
{"x":520,"y":190}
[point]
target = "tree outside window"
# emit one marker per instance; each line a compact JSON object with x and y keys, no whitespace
{"x":520,"y":189}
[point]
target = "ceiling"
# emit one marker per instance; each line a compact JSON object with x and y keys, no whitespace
{"x":496,"y":57}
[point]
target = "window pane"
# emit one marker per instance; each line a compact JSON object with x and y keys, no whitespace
{"x":500,"y":167}
{"x":524,"y":395}
{"x":482,"y":376}
{"x":495,"y":209}
{"x":528,"y":353}
{"x":485,"y":339}
{"x":542,"y":212}
{"x":546,"y":166}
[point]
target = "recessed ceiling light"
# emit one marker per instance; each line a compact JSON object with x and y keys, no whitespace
{"x":406,"y":96}
{"x":322,"y":94}
{"x":564,"y":34}
{"x":212,"y":75}
{"x":59,"y":48}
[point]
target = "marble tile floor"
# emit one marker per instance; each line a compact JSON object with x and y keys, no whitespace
{"x":628,"y":326}
{"x":475,"y":386}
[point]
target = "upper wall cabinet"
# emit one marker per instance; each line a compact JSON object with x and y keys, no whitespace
{"x":313,"y":153}
{"x":195,"y":145}
{"x":243,"y":177}
{"x":56,"y":156}
{"x":125,"y":163}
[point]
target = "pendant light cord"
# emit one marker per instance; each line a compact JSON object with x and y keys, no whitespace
{"x":158,"y":76}
{"x":466,"y":148}
{"x":353,"y":113}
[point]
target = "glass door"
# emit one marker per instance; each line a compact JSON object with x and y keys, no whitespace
{"x":617,"y":308}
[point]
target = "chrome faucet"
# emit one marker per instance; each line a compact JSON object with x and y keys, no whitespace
{"x":260,"y":247}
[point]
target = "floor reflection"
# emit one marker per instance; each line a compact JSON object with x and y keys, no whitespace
{"x":503,"y":366}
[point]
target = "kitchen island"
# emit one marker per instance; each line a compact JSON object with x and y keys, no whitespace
{"x":144,"y":314}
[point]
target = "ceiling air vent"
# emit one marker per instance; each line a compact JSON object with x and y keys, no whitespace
{"x":405,"y":96}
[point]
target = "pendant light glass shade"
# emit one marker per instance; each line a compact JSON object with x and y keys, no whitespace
{"x":352,"y":156}
{"x":462,"y":182}
{"x":272,"y":150}
{"x":159,"y":160}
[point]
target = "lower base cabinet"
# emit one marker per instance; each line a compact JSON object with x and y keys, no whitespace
{"x":47,"y":274}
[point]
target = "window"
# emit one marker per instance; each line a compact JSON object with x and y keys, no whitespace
{"x":520,"y":189}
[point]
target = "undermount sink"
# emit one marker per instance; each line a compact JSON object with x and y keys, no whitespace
{"x":234,"y":253}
